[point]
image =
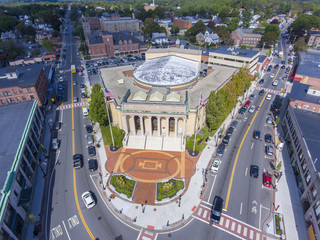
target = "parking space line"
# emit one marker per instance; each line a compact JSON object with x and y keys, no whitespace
{"x":66,"y":230}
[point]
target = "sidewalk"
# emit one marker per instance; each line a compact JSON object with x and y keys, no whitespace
{"x":36,"y":203}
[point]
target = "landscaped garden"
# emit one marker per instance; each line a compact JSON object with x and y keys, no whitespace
{"x":123,"y":185}
{"x":278,"y":227}
{"x":169,"y":189}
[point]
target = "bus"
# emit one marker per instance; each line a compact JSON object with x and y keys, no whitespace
{"x":73,"y":69}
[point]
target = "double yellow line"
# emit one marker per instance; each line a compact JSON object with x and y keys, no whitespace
{"x":237,"y":156}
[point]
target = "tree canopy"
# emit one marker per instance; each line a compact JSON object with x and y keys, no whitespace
{"x":151,"y":26}
{"x":98,"y":110}
{"x":197,"y":28}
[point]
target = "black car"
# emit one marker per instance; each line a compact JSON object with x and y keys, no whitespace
{"x":283,"y":67}
{"x":60,"y":98}
{"x":261,"y":81}
{"x":92,"y":151}
{"x":276,"y":66}
{"x":283,"y":62}
{"x":216,"y":210}
{"x":93,"y":165}
{"x":220,"y":150}
{"x":83,"y":95}
{"x":60,"y":87}
{"x":77,"y":161}
{"x":261,"y":92}
{"x":242,"y":110}
{"x":234,"y":124}
{"x":230,"y":131}
{"x":82,"y":85}
{"x":256,"y":134}
{"x":251,"y":97}
{"x":268,"y":138}
{"x":226,"y":140}
{"x":89,"y":128}
{"x":57,"y":125}
{"x":94,"y":71}
{"x":254,"y":171}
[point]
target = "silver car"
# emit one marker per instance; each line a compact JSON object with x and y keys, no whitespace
{"x":90,"y":139}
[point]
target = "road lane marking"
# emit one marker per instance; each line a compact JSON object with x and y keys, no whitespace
{"x":245,"y":231}
{"x":238,"y":153}
{"x":212,"y":187}
{"x":233,"y":226}
{"x":73,"y":221}
{"x":227,"y":223}
{"x":56,"y":232}
{"x":246,"y":172}
{"x":240,"y":208}
{"x":239,"y":228}
{"x":66,"y":230}
{"x":252,"y":145}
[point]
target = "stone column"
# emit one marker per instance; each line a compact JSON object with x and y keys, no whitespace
{"x":150,"y":125}
{"x":175,"y":126}
{"x":167,"y":125}
{"x":133,"y":125}
{"x":125,"y":124}
{"x":141,"y":125}
{"x":184,"y":127}
{"x":158,"y":126}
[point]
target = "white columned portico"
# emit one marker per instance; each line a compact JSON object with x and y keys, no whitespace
{"x":175,"y":126}
{"x":184,"y":127}
{"x":141,"y":125}
{"x":167,"y":126}
{"x":133,"y":130}
{"x":125,"y":123}
{"x":150,"y":125}
{"x":158,"y":126}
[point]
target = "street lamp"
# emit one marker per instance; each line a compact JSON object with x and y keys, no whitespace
{"x":179,"y":204}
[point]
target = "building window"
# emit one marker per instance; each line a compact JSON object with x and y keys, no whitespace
{"x":23,"y":98}
{"x":29,"y":90}
{"x":5,"y":93}
{"x":20,"y":179}
{"x":314,"y":109}
{"x":32,"y":97}
{"x":2,"y":101}
{"x":20,"y":90}
{"x":306,"y":106}
{"x":14,"y":91}
{"x":295,"y":105}
{"x":314,"y":191}
{"x":317,"y":208}
{"x":308,"y":177}
{"x":8,"y":100}
{"x":9,"y":94}
{"x":12,"y":100}
{"x":304,"y":165}
{"x":18,"y":98}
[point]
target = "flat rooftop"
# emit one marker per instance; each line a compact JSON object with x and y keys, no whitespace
{"x":246,"y":53}
{"x":167,"y":71}
{"x":310,"y":131}
{"x":212,"y":82}
{"x":309,"y":64}
{"x":13,"y":120}
{"x":299,"y":92}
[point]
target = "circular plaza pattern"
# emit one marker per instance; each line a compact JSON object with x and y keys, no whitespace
{"x":167,"y":71}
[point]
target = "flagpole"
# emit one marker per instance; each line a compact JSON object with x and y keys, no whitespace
{"x":195,"y":129}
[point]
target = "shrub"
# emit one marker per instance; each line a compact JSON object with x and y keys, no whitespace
{"x":123,"y":185}
{"x":169,"y":189}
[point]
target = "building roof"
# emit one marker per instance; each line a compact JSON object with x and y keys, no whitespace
{"x":245,"y":32}
{"x":117,"y":36}
{"x":262,"y":58}
{"x":156,"y":97}
{"x":139,"y":96}
{"x":246,"y":53}
{"x":309,"y":64}
{"x":173,"y":97}
{"x":299,"y":92}
{"x":95,"y":37}
{"x":28,"y":75}
{"x":310,"y":131}
{"x":13,"y":121}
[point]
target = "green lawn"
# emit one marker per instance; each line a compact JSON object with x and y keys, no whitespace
{"x":118,"y":135}
{"x":169,"y":189}
{"x":123,"y":185}
{"x":202,"y":145}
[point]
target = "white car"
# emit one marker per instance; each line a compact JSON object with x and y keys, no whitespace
{"x":275,"y":83}
{"x":74,"y":83}
{"x":61,"y":79}
{"x":272,"y":75}
{"x":75,"y":99}
{"x":55,"y":144}
{"x":252,"y":109}
{"x":268,"y":97}
{"x":215,"y":165}
{"x":88,"y":199}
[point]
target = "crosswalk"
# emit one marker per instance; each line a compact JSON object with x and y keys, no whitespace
{"x":73,"y":105}
{"x":229,"y":224}
{"x":146,"y":234}
{"x":269,"y":90}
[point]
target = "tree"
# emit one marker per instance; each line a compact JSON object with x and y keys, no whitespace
{"x":233,"y":24}
{"x":300,"y":45}
{"x":211,"y":24}
{"x":151,"y":26}
{"x":98,"y":110}
{"x":11,"y":50}
{"x":224,"y":12}
{"x":304,"y":22}
{"x":269,"y":38}
{"x":197,"y":28}
{"x":246,"y":18}
{"x":224,"y":35}
{"x":7,"y":23}
{"x":174,"y":30}
{"x":47,"y":45}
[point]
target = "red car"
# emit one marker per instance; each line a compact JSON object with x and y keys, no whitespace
{"x":267,"y":180}
{"x":247,"y":103}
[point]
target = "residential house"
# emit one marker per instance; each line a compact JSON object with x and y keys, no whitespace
{"x":43,"y":35}
{"x":160,"y":38}
{"x":6,"y":36}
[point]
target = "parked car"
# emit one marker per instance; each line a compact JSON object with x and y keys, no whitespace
{"x":283,"y":67}
{"x":74,"y":83}
{"x":271,"y":75}
{"x":88,"y":200}
{"x":90,"y":139}
{"x":89,"y":128}
{"x":275,"y":83}
{"x":261,"y":92}
{"x":267,"y":179}
{"x":252,"y":109}
{"x":226,"y":140}
{"x":268,"y":138}
{"x":251,"y":97}
{"x":247,"y":103}
{"x":57,"y":125}
{"x":55,"y":144}
{"x":60,"y":87}
{"x":83,"y":95}
{"x":269,"y":120}
{"x":77,"y":161}
{"x":92,"y":165}
{"x":269,"y":150}
{"x":254,"y":171}
{"x":261,"y":81}
{"x":215,"y":165}
{"x":242,"y":110}
{"x":220,"y":150}
{"x":234,"y":124}
{"x":91,"y":151}
{"x":75,"y":99}
{"x":276,"y":66}
{"x":230,"y":131}
{"x":256,"y":134}
{"x":216,"y":210}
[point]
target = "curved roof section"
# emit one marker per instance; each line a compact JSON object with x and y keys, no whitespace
{"x":167,"y":71}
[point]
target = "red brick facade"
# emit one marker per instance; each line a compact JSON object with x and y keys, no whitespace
{"x":182,"y":23}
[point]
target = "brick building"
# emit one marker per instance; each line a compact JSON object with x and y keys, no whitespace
{"x":115,"y":23}
{"x":90,"y":23}
{"x":245,"y":36}
{"x":25,"y":83}
{"x":105,"y":44}
{"x":313,"y":38}
{"x":182,"y":23}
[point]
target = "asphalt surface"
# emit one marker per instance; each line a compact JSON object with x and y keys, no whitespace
{"x":249,"y":200}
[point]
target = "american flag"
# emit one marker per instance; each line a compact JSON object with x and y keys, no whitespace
{"x":201,"y":100}
{"x":109,"y":94}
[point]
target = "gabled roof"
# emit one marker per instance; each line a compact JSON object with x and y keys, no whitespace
{"x":173,"y":97}
{"x":139,"y":96}
{"x":156,"y":97}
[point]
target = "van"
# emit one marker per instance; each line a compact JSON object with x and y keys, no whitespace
{"x":216,"y":209}
{"x":93,"y":165}
{"x":85,"y":112}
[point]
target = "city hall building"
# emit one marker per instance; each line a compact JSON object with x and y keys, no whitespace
{"x":157,"y":103}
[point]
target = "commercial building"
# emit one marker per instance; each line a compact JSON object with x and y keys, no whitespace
{"x":234,"y":57}
{"x":24,"y":83}
{"x":114,"y":23}
{"x":90,"y":23}
{"x":157,"y":104}
{"x":184,"y":23}
{"x":105,"y":44}
{"x":313,"y":38}
{"x":21,"y":124}
{"x":245,"y":36}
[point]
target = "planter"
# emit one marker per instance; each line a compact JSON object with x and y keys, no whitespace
{"x":279,"y":225}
